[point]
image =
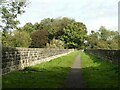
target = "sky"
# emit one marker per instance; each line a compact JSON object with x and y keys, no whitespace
{"x":93,"y":13}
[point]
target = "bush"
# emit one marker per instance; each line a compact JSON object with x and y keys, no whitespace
{"x":8,"y":40}
{"x":39,"y":39}
{"x":56,"y":44}
{"x":22,"y":39}
{"x":16,"y":39}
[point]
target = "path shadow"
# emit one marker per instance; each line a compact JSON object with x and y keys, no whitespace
{"x":74,"y":79}
{"x":31,"y":77}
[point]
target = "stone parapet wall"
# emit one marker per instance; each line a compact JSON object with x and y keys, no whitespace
{"x":19,"y":58}
{"x":109,"y":55}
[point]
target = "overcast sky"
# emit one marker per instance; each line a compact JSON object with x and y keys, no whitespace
{"x":93,"y":13}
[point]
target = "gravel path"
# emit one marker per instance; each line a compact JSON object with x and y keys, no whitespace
{"x":74,"y":79}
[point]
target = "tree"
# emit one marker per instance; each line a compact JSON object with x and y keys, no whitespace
{"x":104,"y":33}
{"x":74,"y":35}
{"x":28,"y":27}
{"x":10,"y":10}
{"x":110,"y":38}
{"x":103,"y":39}
{"x":37,"y":26}
{"x":17,"y":39}
{"x":39,"y":39}
{"x":54,"y":26}
{"x":62,"y":23}
{"x":93,"y":39}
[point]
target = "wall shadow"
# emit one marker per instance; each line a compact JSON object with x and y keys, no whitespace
{"x":31,"y":77}
{"x":102,"y":62}
{"x":53,"y":77}
{"x":102,"y":75}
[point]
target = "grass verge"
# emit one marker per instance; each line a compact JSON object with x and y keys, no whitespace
{"x":45,"y":75}
{"x":98,"y":73}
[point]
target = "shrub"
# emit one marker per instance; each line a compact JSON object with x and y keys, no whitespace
{"x":16,"y":39}
{"x":56,"y":44}
{"x":22,"y":39}
{"x":39,"y":39}
{"x":8,"y":40}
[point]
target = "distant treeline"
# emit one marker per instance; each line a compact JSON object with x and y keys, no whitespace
{"x":103,"y":39}
{"x":51,"y":32}
{"x":60,"y":33}
{"x":54,"y":33}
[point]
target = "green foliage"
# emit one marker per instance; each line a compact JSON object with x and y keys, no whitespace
{"x":74,"y":35}
{"x":56,"y":44}
{"x":93,"y":39}
{"x":10,"y":10}
{"x":37,"y":26}
{"x":103,"y":39}
{"x":54,"y":26}
{"x":28,"y":27}
{"x":39,"y":39}
{"x":8,"y":40}
{"x":22,"y":39}
{"x":16,"y":39}
{"x":104,"y":33}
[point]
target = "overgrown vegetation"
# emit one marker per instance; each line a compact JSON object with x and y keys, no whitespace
{"x":98,"y":73}
{"x":50,"y":74}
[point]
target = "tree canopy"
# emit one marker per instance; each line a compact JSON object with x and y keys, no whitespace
{"x":74,"y":35}
{"x":51,"y":32}
{"x":10,"y":10}
{"x":39,"y":39}
{"x":104,"y":39}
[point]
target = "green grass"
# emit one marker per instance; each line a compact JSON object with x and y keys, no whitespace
{"x":45,"y":75}
{"x":98,"y":73}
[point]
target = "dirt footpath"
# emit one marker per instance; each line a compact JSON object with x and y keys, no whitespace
{"x":74,"y":79}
